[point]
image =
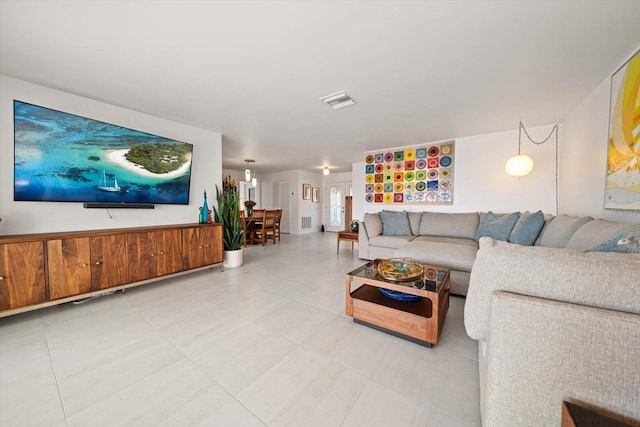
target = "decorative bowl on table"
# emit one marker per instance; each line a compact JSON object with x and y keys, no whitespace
{"x":398,"y":296}
{"x":400,"y":269}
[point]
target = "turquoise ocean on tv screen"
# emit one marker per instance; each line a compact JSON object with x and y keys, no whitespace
{"x":63,"y":157}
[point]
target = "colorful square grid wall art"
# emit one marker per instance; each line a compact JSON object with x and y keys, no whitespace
{"x":421,"y":174}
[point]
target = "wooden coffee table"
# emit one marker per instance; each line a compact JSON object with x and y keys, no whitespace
{"x":419,"y":321}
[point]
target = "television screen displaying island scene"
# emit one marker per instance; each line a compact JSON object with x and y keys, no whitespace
{"x":61,"y":157}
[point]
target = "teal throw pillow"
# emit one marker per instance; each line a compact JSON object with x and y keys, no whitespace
{"x":395,"y":223}
{"x":526,"y":230}
{"x":496,"y":226}
{"x":625,"y":242}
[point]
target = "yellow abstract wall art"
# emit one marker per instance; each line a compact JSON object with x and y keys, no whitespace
{"x":623,"y":166}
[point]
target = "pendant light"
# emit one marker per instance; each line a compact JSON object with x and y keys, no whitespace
{"x":247,"y":171}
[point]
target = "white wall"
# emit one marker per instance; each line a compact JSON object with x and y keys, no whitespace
{"x":480,"y":181}
{"x":299,"y":207}
{"x":38,"y":217}
{"x":584,"y":159}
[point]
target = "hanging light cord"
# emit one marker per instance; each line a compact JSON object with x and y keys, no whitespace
{"x":556,"y":130}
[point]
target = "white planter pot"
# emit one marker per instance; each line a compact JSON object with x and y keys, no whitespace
{"x":232,"y":259}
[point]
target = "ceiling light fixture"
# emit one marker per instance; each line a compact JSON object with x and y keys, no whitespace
{"x":326,"y":171}
{"x":247,"y":173}
{"x":338,"y":100}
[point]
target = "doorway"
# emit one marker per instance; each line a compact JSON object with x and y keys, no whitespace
{"x":282,"y":200}
{"x":336,"y":215}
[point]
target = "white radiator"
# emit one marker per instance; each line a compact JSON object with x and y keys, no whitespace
{"x":306,"y":222}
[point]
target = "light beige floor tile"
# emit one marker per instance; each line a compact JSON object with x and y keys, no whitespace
{"x":295,"y":321}
{"x":178,"y":395}
{"x":232,"y":414}
{"x":436,"y":377}
{"x":304,"y":389}
{"x":205,"y":323}
{"x":168,"y":309}
{"x":327,"y":297}
{"x":237,"y":360}
{"x":357,"y":346}
{"x":380,"y":406}
{"x":149,"y":292}
{"x":454,"y":338}
{"x":91,"y":376}
{"x":429,"y":417}
{"x":253,"y":305}
{"x":94,"y":333}
{"x":28,"y":389}
{"x":108,"y":305}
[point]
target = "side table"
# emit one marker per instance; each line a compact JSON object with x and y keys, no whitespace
{"x":347,"y":236}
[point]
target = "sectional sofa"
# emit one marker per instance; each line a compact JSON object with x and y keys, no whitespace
{"x":451,"y":239}
{"x":553,"y":304}
{"x":554,"y":325}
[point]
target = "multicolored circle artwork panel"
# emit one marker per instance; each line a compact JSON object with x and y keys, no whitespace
{"x":412,"y":175}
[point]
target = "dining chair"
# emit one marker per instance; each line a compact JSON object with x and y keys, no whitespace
{"x":246,"y":228}
{"x":277,"y":224}
{"x":267,"y":228}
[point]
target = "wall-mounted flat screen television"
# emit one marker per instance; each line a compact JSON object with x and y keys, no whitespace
{"x":61,"y":157}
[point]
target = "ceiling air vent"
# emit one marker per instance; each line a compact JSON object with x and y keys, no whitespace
{"x":338,"y":100}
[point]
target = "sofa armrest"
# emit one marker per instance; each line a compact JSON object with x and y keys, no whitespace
{"x":541,"y":352}
{"x":597,"y":279}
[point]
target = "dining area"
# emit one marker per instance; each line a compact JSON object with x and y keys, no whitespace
{"x":261,"y":225}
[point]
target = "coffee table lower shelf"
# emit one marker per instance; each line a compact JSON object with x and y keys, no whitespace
{"x":412,"y":320}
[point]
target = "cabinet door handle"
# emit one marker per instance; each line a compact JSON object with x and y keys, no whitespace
{"x":84,"y":265}
{"x":152,"y":254}
{"x":1,"y":277}
{"x":161,"y":253}
{"x":200,"y":247}
{"x":98,"y":262}
{"x":207,"y":246}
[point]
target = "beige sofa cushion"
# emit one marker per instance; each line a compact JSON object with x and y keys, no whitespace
{"x":414,"y":222}
{"x":373,"y":223}
{"x":456,"y":240}
{"x":444,"y":254}
{"x":389,"y":241}
{"x":596,"y":232}
{"x":598,"y":279}
{"x":558,"y":232}
{"x":462,"y":225}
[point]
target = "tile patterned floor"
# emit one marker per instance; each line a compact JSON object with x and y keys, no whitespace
{"x":266,"y":344}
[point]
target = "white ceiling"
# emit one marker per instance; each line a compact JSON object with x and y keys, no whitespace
{"x":254,"y":70}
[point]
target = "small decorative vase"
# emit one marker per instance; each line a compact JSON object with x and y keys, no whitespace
{"x":233,"y":259}
{"x":249,"y":210}
{"x":354,"y":225}
{"x":205,"y":210}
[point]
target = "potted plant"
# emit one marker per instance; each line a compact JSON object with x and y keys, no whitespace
{"x":228,"y":214}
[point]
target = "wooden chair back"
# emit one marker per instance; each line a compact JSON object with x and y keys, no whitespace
{"x":267,"y":229}
{"x":277,"y":225}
